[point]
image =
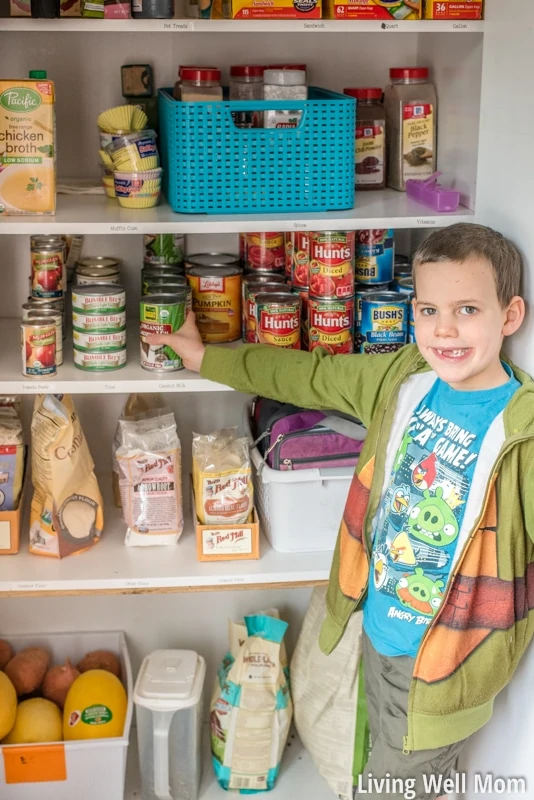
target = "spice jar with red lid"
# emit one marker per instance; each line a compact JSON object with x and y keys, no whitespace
{"x":370,"y":152}
{"x":200,"y":84}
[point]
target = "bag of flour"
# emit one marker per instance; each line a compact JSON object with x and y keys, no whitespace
{"x":251,"y":710}
{"x":66,"y":512}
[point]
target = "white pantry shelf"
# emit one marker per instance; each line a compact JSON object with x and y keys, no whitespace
{"x":237,"y":26}
{"x":90,"y":214}
{"x":71,"y":380}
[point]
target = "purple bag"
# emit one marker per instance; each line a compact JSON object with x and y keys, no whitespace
{"x":291,"y":438}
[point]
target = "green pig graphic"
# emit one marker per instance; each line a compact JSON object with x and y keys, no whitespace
{"x":432,"y":520}
{"x":420,"y":593}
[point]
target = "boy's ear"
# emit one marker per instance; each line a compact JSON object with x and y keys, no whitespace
{"x":515,"y":314}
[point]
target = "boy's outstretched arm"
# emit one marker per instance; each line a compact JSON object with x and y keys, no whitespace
{"x":312,"y":380}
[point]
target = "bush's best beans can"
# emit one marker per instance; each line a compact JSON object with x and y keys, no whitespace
{"x":403,"y":266}
{"x":331,"y":265}
{"x":404,"y":286}
{"x":361,"y":290}
{"x":161,"y":314}
{"x":375,"y":254}
{"x":278,"y":320}
{"x":384,"y":325}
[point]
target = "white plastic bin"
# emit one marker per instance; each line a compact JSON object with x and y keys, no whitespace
{"x":300,"y":510}
{"x":95,"y":770}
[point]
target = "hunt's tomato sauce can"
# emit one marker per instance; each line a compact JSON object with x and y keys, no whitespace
{"x":332,"y":264}
{"x":331,"y":325}
{"x":266,"y":252}
{"x":39,"y":348}
{"x":250,"y":293}
{"x":278,"y":320}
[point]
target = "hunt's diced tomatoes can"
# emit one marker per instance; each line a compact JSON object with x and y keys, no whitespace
{"x":331,"y":325}
{"x":278,"y":320}
{"x":332,"y":264}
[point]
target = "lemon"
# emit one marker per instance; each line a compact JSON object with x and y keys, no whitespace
{"x":8,"y":705}
{"x":95,"y":707}
{"x":38,"y":720}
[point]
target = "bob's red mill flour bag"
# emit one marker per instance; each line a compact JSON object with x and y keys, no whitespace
{"x":66,"y":512}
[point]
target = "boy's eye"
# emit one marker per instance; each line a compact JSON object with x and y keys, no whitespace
{"x":469,"y":310}
{"x":428,"y":312}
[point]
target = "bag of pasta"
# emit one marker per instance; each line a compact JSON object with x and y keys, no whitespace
{"x":66,"y":512}
{"x":222,"y":478}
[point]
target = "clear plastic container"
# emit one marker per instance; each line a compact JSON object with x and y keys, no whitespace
{"x":168,"y":700}
{"x":200,"y":84}
{"x":284,"y":84}
{"x":246,"y":83}
{"x":411,"y":120}
{"x":177,"y":94}
{"x":370,"y":138}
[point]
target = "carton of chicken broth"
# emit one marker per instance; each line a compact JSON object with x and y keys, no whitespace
{"x":391,"y":10}
{"x":27,"y":147}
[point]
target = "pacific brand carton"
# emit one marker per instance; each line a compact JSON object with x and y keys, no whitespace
{"x":392,"y":10}
{"x":454,"y":9}
{"x":27,"y":147}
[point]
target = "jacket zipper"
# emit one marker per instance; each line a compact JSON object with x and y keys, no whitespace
{"x":406,"y":750}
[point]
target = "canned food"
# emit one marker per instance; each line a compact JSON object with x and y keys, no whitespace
{"x":384,"y":325}
{"x":164,"y":248}
{"x":211,"y":260}
{"x":289,"y":256}
{"x":149,"y":274}
{"x":331,"y":325}
{"x":39,"y":348}
{"x":404,"y":286}
{"x":57,"y":303}
{"x":101,"y":281}
{"x":99,"y":262}
{"x":250,"y":293}
{"x":99,"y":362}
{"x":161,"y":314}
{"x":243,"y":248}
{"x":98,"y":323}
{"x":278,"y":320}
{"x":375,"y":252}
{"x":266,"y":251}
{"x":300,"y":268}
{"x":332,"y":264}
{"x":403,"y":266}
{"x":361,"y":290}
{"x":87,"y":276}
{"x":151,"y":284}
{"x":105,"y":299}
{"x":95,"y":342}
{"x":216,"y":302}
{"x":51,"y":315}
{"x":48,"y":270}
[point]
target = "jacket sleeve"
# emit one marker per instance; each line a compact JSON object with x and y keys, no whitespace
{"x":313,"y":380}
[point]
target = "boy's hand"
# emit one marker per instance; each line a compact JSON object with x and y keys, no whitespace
{"x":186,"y":342}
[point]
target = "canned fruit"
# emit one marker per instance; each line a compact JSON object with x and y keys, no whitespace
{"x":94,"y":342}
{"x":278,"y":320}
{"x":216,"y":302}
{"x":48,"y":271}
{"x":266,"y":251}
{"x":384,"y":324}
{"x":98,"y":299}
{"x":300,"y":270}
{"x":161,"y":314}
{"x":331,"y":325}
{"x":164,"y":248}
{"x":99,"y":362}
{"x":250,"y":293}
{"x":38,"y":348}
{"x":98,"y":323}
{"x":375,"y":254}
{"x":332,"y":264}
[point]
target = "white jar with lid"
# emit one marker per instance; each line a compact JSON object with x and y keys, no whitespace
{"x":283,"y":84}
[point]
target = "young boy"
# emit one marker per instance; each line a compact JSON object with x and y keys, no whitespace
{"x":436,"y":541}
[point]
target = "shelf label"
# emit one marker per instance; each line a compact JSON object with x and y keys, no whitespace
{"x":29,"y":586}
{"x":314,"y":26}
{"x":459,"y":26}
{"x":138,"y":583}
{"x":233,"y":579}
{"x":390,"y":26}
{"x":425,"y":222}
{"x":172,"y":386}
{"x":36,"y":388}
{"x":123,"y":228}
{"x":178,"y":26}
{"x":300,"y":226}
{"x":110,"y":387}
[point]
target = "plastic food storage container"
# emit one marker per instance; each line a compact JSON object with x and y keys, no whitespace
{"x":168,"y":700}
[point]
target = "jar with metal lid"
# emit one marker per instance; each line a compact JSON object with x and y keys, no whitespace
{"x":283,"y":84}
{"x":411,"y":118}
{"x":370,"y":152}
{"x":200,"y":84}
{"x":246,"y":83}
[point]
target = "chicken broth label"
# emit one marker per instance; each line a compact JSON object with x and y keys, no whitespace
{"x":418,"y":141}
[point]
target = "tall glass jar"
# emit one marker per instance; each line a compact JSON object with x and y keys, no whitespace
{"x":370,"y":151}
{"x":411,"y":118}
{"x":246,"y":83}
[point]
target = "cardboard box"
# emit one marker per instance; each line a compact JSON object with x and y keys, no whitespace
{"x":392,"y":10}
{"x":267,"y":9}
{"x":20,"y":8}
{"x":227,"y":542}
{"x":454,"y":9}
{"x":10,"y":523}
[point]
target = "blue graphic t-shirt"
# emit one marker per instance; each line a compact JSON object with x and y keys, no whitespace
{"x":421,"y":514}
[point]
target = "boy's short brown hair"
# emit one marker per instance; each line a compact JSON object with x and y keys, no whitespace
{"x":466,"y":240}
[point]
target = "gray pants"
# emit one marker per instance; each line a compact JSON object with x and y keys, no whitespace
{"x":387,"y":683}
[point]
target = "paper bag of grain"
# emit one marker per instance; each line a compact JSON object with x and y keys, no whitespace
{"x":251,"y":710}
{"x":237,"y":636}
{"x":66,"y":512}
{"x":150,"y":480}
{"x":222,"y":478}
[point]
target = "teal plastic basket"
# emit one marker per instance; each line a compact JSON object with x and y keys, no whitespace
{"x":212,"y":167}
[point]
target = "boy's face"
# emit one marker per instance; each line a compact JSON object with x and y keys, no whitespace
{"x":460,"y":323}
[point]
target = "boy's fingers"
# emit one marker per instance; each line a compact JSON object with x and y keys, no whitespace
{"x":156,"y":338}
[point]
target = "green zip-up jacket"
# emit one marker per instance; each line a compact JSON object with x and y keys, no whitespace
{"x":473,"y":645}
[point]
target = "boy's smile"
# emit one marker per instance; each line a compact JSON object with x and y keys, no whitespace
{"x":460,"y":323}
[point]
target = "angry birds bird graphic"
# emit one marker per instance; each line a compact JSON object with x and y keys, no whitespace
{"x":380,"y":569}
{"x":432,"y":520}
{"x":399,"y":505}
{"x":420,"y":593}
{"x":424,"y":474}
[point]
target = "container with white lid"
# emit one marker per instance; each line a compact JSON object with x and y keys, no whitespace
{"x":168,"y":700}
{"x":284,"y":84}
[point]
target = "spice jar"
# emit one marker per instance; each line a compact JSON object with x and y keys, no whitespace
{"x":370,"y":153}
{"x":246,"y":83}
{"x":411,"y":119}
{"x":200,"y":84}
{"x":283,"y":84}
